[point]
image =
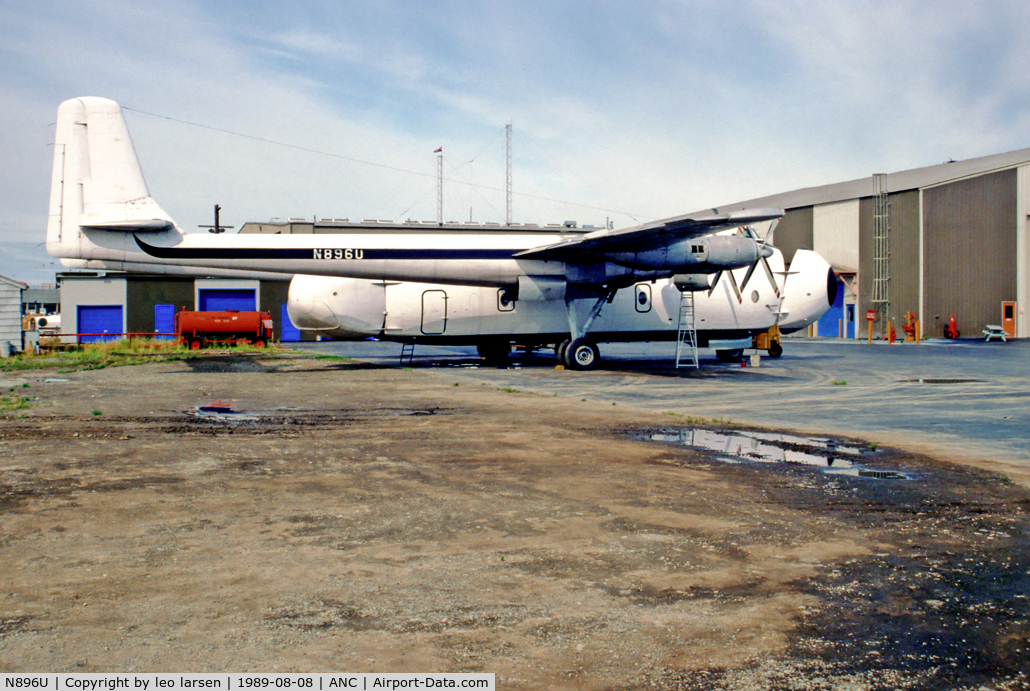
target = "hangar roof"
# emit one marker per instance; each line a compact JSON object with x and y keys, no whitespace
{"x":13,"y":283}
{"x":917,"y":178}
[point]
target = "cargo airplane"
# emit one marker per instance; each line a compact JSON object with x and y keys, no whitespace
{"x":491,"y":288}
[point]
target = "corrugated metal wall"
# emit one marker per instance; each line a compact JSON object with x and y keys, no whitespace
{"x":970,"y":251}
{"x":904,"y":258}
{"x":794,"y":232}
{"x":143,"y":292}
{"x":835,"y":234}
{"x":1023,"y":249}
{"x":10,"y":314}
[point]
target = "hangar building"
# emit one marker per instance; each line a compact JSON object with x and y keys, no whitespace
{"x":97,"y":303}
{"x":947,"y":239}
{"x":951,"y":239}
{"x":10,"y":315}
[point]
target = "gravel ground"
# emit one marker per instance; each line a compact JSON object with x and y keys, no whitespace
{"x":287,"y":513}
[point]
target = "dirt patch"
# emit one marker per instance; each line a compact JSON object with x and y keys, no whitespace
{"x":386,"y":520}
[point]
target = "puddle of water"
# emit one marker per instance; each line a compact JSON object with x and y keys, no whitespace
{"x":768,"y":447}
{"x":222,"y":412}
{"x":762,"y":447}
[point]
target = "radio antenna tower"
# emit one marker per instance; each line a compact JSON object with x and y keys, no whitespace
{"x":439,"y":186}
{"x":507,"y":183}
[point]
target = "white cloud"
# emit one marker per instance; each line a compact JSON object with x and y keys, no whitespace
{"x":653,"y":109}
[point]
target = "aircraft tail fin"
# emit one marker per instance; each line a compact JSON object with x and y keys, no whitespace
{"x":97,"y":184}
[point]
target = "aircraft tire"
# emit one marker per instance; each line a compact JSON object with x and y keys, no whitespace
{"x":582,"y":354}
{"x":560,"y":349}
{"x":494,"y":352}
{"x":729,"y":355}
{"x":775,"y":349}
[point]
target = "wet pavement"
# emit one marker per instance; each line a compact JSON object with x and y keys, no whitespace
{"x":965,"y":400}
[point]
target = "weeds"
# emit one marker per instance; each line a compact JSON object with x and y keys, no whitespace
{"x":94,"y":356}
{"x":14,"y":402}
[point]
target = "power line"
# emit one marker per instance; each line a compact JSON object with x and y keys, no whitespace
{"x":384,"y":166}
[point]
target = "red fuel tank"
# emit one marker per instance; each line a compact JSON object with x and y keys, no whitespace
{"x":197,"y":328}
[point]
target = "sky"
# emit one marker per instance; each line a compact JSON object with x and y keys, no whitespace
{"x":621,"y":112}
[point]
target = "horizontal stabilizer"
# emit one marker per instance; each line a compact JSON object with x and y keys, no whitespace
{"x":149,"y":225}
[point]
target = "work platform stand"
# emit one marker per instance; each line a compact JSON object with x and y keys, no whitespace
{"x":686,"y":337}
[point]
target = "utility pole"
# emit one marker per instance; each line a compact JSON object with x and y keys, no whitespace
{"x":507,"y":183}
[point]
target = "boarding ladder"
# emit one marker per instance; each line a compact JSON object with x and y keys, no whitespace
{"x":686,"y":338}
{"x":407,"y":352}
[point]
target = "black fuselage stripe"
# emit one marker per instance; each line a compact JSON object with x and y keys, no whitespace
{"x":320,"y":254}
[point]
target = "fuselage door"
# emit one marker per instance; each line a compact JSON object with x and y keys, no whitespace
{"x":434,"y":312}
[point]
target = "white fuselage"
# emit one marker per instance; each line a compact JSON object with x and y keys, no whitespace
{"x":355,"y":308}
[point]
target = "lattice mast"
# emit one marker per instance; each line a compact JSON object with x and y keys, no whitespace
{"x":439,"y":186}
{"x":507,"y":178}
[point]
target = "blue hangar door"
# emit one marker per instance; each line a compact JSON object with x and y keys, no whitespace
{"x":220,"y":300}
{"x":164,"y":321}
{"x":289,"y":331}
{"x":95,"y":321}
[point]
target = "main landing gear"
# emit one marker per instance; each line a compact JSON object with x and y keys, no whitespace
{"x":578,"y":353}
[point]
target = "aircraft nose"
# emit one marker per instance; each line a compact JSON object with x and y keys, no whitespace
{"x":831,"y":287}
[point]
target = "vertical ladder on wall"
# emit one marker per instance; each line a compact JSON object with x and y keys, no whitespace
{"x":407,"y":352}
{"x":686,"y":338}
{"x":881,"y":300}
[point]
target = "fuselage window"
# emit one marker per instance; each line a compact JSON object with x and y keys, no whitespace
{"x":504,"y":301}
{"x":643,"y":297}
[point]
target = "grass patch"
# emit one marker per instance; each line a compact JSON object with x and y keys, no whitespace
{"x":89,"y":356}
{"x":839,"y":382}
{"x":14,"y":402}
{"x":509,"y":389}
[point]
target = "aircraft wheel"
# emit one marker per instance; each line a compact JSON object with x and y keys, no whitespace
{"x":775,"y":349}
{"x":560,"y":349}
{"x":729,"y":355}
{"x":581,"y":354}
{"x":494,"y":352}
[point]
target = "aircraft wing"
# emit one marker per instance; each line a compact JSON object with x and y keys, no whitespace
{"x":649,"y":236}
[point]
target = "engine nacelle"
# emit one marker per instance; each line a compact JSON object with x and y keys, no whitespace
{"x":706,"y":254}
{"x":692,"y":282}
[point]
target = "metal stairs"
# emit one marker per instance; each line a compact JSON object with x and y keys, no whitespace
{"x":407,"y":352}
{"x":686,"y":337}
